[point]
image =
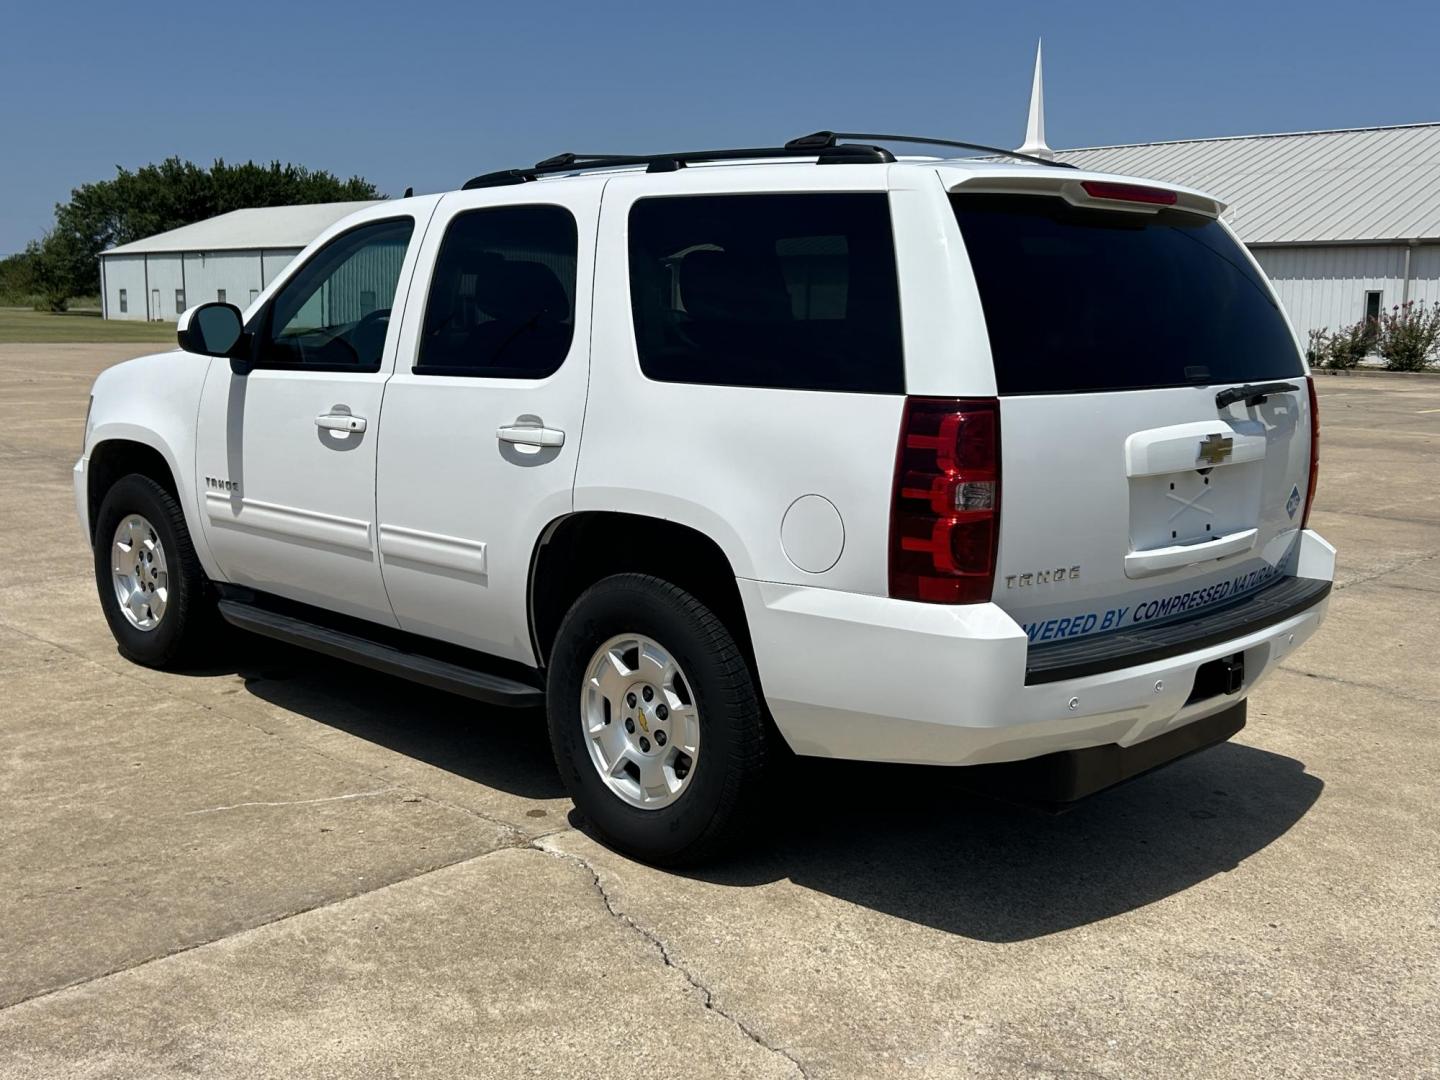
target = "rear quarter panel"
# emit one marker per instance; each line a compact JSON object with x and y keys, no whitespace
{"x":730,"y":461}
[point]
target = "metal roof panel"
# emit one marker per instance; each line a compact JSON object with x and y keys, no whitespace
{"x":240,"y":230}
{"x":1314,"y":187}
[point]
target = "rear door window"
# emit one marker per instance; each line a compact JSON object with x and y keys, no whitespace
{"x":1078,"y":299}
{"x":502,"y":299}
{"x":790,"y":291}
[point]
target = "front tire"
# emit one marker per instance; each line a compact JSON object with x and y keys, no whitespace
{"x":655,"y":721}
{"x":152,"y":588}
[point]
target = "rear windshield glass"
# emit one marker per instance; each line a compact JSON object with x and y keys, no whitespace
{"x":1078,"y":299}
{"x":789,"y":291}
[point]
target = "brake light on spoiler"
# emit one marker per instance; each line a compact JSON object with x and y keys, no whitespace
{"x":1134,"y":193}
{"x":945,"y":508}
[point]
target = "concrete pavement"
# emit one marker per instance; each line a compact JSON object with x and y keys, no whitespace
{"x":286,"y":866}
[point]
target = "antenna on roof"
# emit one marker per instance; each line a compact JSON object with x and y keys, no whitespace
{"x":409,"y":191}
{"x":1035,"y":144}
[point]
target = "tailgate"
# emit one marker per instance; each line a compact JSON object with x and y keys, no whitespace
{"x":1135,"y":490}
{"x":1146,"y":513}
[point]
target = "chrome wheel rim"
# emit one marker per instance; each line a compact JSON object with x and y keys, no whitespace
{"x":642,"y":726}
{"x":139,"y":572}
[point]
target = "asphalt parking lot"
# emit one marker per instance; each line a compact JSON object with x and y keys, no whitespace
{"x":284,"y":866}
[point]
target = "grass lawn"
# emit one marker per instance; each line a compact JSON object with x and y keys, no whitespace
{"x":24,"y":325}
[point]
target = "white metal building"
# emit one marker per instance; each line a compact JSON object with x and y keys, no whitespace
{"x":230,"y":257}
{"x":1345,"y":222}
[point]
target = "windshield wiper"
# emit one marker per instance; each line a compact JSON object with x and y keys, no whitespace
{"x":1251,"y":393}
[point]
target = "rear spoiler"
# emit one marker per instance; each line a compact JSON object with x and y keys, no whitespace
{"x":1101,"y":190}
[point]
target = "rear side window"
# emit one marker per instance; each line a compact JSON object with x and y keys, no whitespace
{"x":1078,"y":299}
{"x":790,"y":291}
{"x":502,"y":301}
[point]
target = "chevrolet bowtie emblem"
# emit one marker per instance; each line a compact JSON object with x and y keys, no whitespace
{"x":640,"y":716}
{"x":1216,"y":448}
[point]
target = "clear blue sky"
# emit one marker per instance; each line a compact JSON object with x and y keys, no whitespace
{"x":429,"y":93}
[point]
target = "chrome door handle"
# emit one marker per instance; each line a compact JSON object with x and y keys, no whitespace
{"x":530,"y":435}
{"x":340,"y":422}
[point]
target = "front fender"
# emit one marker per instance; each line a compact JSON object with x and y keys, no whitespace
{"x":154,"y":401}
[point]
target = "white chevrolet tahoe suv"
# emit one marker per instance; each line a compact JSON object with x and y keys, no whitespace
{"x":970,"y":462}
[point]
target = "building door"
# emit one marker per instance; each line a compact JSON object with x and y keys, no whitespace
{"x":1373,"y":300}
{"x":155,"y":303}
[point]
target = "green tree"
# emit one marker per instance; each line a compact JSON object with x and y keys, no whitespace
{"x":62,"y":269}
{"x":17,"y":278}
{"x":164,"y":196}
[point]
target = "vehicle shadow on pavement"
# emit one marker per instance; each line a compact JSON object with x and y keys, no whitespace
{"x":505,"y":749}
{"x":912,"y":842}
{"x":908,"y":841}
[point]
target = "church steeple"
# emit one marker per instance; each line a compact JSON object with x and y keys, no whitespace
{"x":1035,"y":128}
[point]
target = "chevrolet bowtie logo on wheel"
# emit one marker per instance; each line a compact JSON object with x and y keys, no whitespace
{"x":1216,"y":448}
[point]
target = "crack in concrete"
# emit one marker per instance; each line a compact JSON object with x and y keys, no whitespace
{"x":1388,"y":570}
{"x":297,"y":802}
{"x":518,"y":838}
{"x":275,"y":920}
{"x":153,"y":684}
{"x":1382,"y":517}
{"x":707,"y":996}
{"x":1392,"y":690}
{"x":285,"y":916}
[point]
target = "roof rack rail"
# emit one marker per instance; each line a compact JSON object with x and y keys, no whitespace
{"x":828,"y":140}
{"x":843,"y":153}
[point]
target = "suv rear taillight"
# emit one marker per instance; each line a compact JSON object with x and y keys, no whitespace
{"x":945,"y":510}
{"x":1314,"y":450}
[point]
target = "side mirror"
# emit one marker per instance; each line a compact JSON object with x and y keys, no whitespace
{"x":213,"y":329}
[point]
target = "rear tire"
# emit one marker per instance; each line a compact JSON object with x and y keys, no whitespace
{"x":143,"y":550}
{"x":622,"y":754}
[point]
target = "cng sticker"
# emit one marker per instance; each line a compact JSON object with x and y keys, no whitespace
{"x":1293,"y":503}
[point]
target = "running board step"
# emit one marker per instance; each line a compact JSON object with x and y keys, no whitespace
{"x":426,"y":670}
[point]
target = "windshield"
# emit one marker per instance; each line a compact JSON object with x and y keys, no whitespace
{"x":1078,"y":299}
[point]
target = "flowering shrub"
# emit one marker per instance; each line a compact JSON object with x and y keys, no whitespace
{"x":1350,"y":344}
{"x":1409,"y":335}
{"x":1317,"y":350}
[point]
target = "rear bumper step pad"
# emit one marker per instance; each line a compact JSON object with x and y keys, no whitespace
{"x":1060,"y":660}
{"x":1056,"y":780}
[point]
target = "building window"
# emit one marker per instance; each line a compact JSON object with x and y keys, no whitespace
{"x":124,"y":302}
{"x":220,"y":295}
{"x":1372,"y":306}
{"x":179,"y":300}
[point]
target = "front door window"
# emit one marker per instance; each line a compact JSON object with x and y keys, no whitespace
{"x":333,"y":314}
